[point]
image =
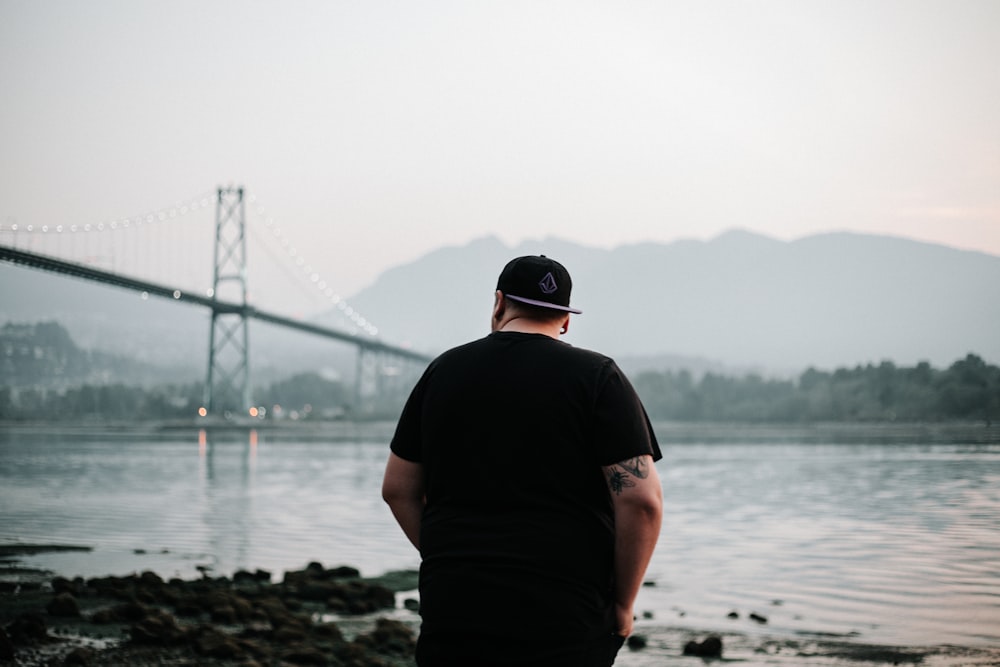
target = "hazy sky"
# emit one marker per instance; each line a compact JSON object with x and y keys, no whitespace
{"x":376,"y":131}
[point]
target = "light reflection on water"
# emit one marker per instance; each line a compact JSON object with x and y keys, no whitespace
{"x":896,"y":542}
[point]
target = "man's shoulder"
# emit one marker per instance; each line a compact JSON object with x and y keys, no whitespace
{"x":470,"y":347}
{"x":459,"y":354}
{"x":585,"y":353}
{"x":529,"y":345}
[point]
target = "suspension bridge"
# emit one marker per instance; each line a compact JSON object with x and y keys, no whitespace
{"x":126,"y":253}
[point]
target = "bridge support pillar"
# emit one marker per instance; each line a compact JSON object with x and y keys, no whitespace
{"x":365,"y":380}
{"x":227,"y":387}
{"x":382,"y":380}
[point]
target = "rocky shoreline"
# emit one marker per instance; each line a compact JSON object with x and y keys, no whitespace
{"x":245,"y":620}
{"x":329,"y":617}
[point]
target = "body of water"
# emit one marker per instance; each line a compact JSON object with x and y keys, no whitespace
{"x":890,"y":538}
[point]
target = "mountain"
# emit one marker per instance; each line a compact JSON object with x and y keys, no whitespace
{"x":44,"y":356}
{"x":106,"y":318}
{"x":738,"y":302}
{"x":740,"y":299}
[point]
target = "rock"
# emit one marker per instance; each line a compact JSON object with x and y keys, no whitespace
{"x":149,"y":578}
{"x":329,"y":631}
{"x":290,"y":633}
{"x":258,"y":617}
{"x":243,"y":609}
{"x":342,"y":572}
{"x":81,"y":656}
{"x":145,"y":596}
{"x":64,"y":585}
{"x":305,"y":655}
{"x":211,"y":599}
{"x":188,"y":607}
{"x":63,"y":604}
{"x":215,"y":644}
{"x":169,"y":595}
{"x":412,"y":604}
{"x":711,"y":647}
{"x":356,"y":597}
{"x":256,"y":629}
{"x":158,"y":629}
{"x":273,"y":609}
{"x":733,"y":614}
{"x":636,"y":642}
{"x":757,"y":617}
{"x":242,"y":577}
{"x":315,"y":572}
{"x":103,"y":617}
{"x":130,"y":611}
{"x":397,"y":580}
{"x":121,"y":588}
{"x":6,"y":646}
{"x":226,"y":606}
{"x":224,"y":614}
{"x":27,"y":629}
{"x":318,"y":591}
{"x":389,"y":637}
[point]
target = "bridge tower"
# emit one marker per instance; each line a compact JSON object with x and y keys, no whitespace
{"x":227,"y":388}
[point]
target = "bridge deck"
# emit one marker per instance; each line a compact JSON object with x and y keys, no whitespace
{"x":46,"y":263}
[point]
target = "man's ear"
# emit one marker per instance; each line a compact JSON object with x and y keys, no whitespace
{"x":499,"y":305}
{"x":565,"y":325}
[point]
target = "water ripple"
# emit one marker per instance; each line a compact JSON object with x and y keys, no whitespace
{"x":899,"y":543}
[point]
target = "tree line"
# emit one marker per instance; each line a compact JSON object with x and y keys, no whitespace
{"x":303,"y":396}
{"x":45,"y":376}
{"x":968,"y":390}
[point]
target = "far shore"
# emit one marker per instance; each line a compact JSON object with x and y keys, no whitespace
{"x":670,"y":432}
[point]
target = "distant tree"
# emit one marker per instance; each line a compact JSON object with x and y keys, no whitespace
{"x":306,"y":389}
{"x":969,"y":389}
{"x":6,"y":404}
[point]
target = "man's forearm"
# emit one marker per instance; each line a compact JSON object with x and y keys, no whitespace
{"x":403,"y":491}
{"x":408,"y":513}
{"x":637,"y":497}
{"x":637,"y":528}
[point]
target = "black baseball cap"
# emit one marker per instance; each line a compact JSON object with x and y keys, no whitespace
{"x":538,"y":281}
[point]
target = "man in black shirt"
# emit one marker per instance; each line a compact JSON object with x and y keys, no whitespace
{"x":522,"y":469}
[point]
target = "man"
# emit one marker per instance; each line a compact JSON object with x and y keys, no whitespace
{"x":522,"y":470}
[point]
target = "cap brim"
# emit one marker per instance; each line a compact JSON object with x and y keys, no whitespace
{"x":544,"y":304}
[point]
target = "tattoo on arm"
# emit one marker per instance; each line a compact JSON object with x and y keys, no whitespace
{"x":620,"y":474}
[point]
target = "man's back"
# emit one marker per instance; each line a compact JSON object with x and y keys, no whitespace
{"x":517,"y":533}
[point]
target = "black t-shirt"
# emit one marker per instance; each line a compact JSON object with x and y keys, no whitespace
{"x":518,"y":530}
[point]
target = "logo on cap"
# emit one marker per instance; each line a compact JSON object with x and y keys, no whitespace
{"x":548,"y":284}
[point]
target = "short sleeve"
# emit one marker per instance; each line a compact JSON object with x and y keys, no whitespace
{"x":407,"y":442}
{"x":621,"y":426}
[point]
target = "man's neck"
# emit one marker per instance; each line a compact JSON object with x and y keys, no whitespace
{"x":525,"y":325}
